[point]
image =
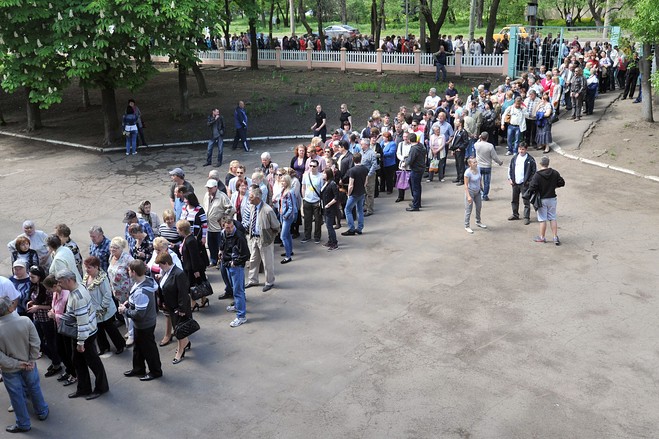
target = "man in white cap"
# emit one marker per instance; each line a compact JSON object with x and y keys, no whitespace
{"x":216,"y":204}
{"x":178,"y":179}
{"x":37,"y":241}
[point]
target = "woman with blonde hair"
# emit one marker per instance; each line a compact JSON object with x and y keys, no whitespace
{"x":162,"y":246}
{"x":120,"y":281}
{"x":193,"y":258}
{"x":287,"y":214}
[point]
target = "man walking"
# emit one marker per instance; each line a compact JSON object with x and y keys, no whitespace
{"x":521,"y":170}
{"x":240,"y":123}
{"x":544,"y":184}
{"x":216,"y":124}
{"x":263,"y":228}
{"x":356,"y":176}
{"x":19,"y":348}
{"x":485,"y":155}
{"x":234,"y":253}
{"x":312,"y":183}
{"x":141,"y":309}
{"x":417,"y":164}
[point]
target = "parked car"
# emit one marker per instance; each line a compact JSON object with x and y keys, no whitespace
{"x":339,"y":30}
{"x":506,"y":31}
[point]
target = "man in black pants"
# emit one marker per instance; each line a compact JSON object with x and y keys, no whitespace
{"x":521,"y":170}
{"x":458,"y":147}
{"x":141,"y":308}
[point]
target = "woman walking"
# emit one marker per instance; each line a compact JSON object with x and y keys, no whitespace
{"x":473,"y":184}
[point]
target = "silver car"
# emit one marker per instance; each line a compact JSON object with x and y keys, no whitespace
{"x":339,"y":30}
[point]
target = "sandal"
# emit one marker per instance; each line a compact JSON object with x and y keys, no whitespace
{"x":71,"y":380}
{"x":205,"y":302}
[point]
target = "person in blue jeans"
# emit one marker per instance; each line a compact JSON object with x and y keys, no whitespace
{"x":234,"y":254}
{"x":216,"y":124}
{"x":516,"y":125}
{"x":440,"y":63}
{"x":287,"y":214}
{"x":20,"y":344}
{"x":356,"y":195}
{"x":129,"y":126}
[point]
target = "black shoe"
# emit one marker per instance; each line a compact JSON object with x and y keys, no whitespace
{"x":132,"y":373}
{"x":286,"y":260}
{"x":119,"y":351}
{"x":398,"y":200}
{"x":368,"y":214}
{"x":348,"y":233}
{"x":93,"y":395}
{"x":284,"y":254}
{"x":268,"y":287}
{"x":527,"y":221}
{"x":455,"y":181}
{"x":77,"y":394}
{"x":513,"y":218}
{"x":412,"y":209}
{"x":16,"y":429}
{"x":53,"y":371}
{"x":359,"y":232}
{"x":63,"y":377}
{"x":225,"y":296}
{"x":207,"y":164}
{"x":149,"y":377}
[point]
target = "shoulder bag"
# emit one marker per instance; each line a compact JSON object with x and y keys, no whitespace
{"x":68,"y":326}
{"x":185,"y":328}
{"x":203,"y":289}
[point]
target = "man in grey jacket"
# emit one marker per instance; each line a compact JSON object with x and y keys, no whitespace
{"x":216,"y":124}
{"x":141,"y":308}
{"x":263,"y":226}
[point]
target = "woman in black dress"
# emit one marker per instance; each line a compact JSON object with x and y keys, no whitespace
{"x":192,"y":258}
{"x":175,"y":286}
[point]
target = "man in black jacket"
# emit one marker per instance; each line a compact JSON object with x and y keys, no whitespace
{"x":521,"y":170}
{"x":416,"y":161}
{"x":544,"y":184}
{"x":234,"y":253}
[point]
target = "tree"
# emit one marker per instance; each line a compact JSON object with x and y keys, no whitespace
{"x":107,"y":45}
{"x":303,"y":17}
{"x":31,"y":56}
{"x":645,"y":26}
{"x":491,"y":24}
{"x":434,"y":24}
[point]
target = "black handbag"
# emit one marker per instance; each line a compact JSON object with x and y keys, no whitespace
{"x":185,"y":328}
{"x":68,"y":326}
{"x":203,"y":289}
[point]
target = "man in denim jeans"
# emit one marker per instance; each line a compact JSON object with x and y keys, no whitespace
{"x":356,"y":194}
{"x":216,"y":124}
{"x":19,"y":350}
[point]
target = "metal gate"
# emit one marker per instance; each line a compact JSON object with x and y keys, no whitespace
{"x":548,"y":45}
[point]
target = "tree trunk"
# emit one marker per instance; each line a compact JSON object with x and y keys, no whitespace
{"x":382,"y":17}
{"x":344,"y":11}
{"x":596,"y":12}
{"x":646,"y":71}
{"x":472,"y":20}
{"x":491,"y":25}
{"x":254,"y":59}
{"x":319,"y":13}
{"x":374,"y":22}
{"x":272,"y":14}
{"x":111,"y":124}
{"x":2,"y":119}
{"x":201,"y":82}
{"x":303,"y":18}
{"x":480,"y":7}
{"x":226,"y":24}
{"x":184,"y":95}
{"x":33,"y":113}
{"x":85,"y":99}
{"x":434,"y":26}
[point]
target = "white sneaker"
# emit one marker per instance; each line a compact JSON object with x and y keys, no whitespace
{"x":481,"y":225}
{"x":130,"y":341}
{"x":237,"y":322}
{"x":231,"y":308}
{"x":10,"y":409}
{"x":127,"y":153}
{"x":468,"y":229}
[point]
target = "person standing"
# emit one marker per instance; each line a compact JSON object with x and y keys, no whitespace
{"x":216,"y":124}
{"x":141,"y":309}
{"x":216,"y":204}
{"x":458,"y":148}
{"x":485,"y":155}
{"x":577,"y":93}
{"x":633,"y":71}
{"x":417,"y":163}
{"x":263,"y":227}
{"x":319,"y":128}
{"x":473,"y":182}
{"x":37,"y":242}
{"x":175,"y":298}
{"x":234,"y":253}
{"x":356,"y":192}
{"x":100,"y":246}
{"x":240,"y":123}
{"x":19,"y":348}
{"x":140,"y":122}
{"x":544,"y":184}
{"x":129,"y":127}
{"x":514,"y":117}
{"x":370,"y":162}
{"x":331,"y":206}
{"x":85,"y":356}
{"x":178,"y":179}
{"x":312,"y":183}
{"x":521,"y":170}
{"x":63,"y":257}
{"x":440,"y":63}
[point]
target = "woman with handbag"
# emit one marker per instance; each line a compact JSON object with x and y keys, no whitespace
{"x":196,"y":216}
{"x":98,"y":285}
{"x":437,"y":154}
{"x":119,"y":278}
{"x":174,"y":285}
{"x":161,"y":246}
{"x":543,"y":121}
{"x":38,"y":307}
{"x":192,"y":257}
{"x":63,"y":343}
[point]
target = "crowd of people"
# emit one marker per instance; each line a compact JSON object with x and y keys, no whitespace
{"x":159,"y":264}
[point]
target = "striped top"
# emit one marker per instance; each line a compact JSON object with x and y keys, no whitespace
{"x":80,"y":305}
{"x":196,"y":216}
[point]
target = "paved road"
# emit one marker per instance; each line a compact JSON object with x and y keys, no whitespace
{"x":413,"y":330}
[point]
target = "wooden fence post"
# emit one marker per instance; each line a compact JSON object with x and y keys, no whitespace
{"x":309,"y":52}
{"x":343,"y":59}
{"x":378,"y":60}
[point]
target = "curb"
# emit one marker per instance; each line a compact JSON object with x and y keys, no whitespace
{"x":155,"y":145}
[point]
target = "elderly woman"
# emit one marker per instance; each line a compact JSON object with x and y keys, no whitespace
{"x":144,"y":212}
{"x":543,"y":121}
{"x":240,"y":201}
{"x":119,"y":278}
{"x":62,"y":342}
{"x":193,"y":259}
{"x":98,"y":285}
{"x":162,"y":246}
{"x":437,"y":151}
{"x":21,"y":281}
{"x":143,"y":248}
{"x":38,"y":307}
{"x":24,"y":253}
{"x":175,"y":289}
{"x":167,"y":229}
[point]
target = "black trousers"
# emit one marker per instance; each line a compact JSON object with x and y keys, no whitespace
{"x":460,"y":164}
{"x":66,"y":354}
{"x":108,"y":329}
{"x":146,"y":351}
{"x":389,"y":179}
{"x":630,"y":84}
{"x":241,"y":137}
{"x":518,"y":189}
{"x":89,"y":359}
{"x":531,"y":131}
{"x":312,"y":219}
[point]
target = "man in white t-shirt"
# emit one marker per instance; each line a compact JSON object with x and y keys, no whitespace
{"x":432,"y":100}
{"x":312,"y":183}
